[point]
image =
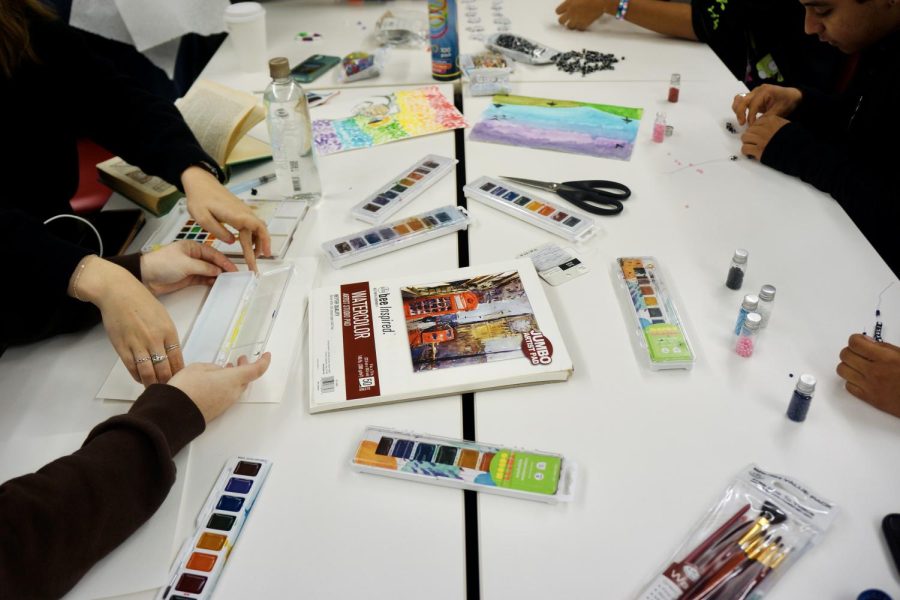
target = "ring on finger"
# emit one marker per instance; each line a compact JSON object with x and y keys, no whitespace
{"x":144,"y":359}
{"x":171,"y":347}
{"x":158,"y":358}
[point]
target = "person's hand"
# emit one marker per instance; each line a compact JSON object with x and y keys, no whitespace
{"x":213,"y":389}
{"x":758,"y":136}
{"x":872,"y":372}
{"x":766,"y":99}
{"x":138,"y":326}
{"x":579,"y":14}
{"x":181,"y":264}
{"x":212,"y":205}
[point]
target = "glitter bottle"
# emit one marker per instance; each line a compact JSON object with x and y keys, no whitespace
{"x":674,"y":87}
{"x":659,"y":128}
{"x":766,"y":303}
{"x":745,"y":342}
{"x":738,"y":267}
{"x":802,"y":397}
{"x":749,"y":305}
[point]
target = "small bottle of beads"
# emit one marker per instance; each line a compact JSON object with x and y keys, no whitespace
{"x":749,"y":305}
{"x":766,"y":303}
{"x":746,"y":338}
{"x":674,"y":87}
{"x":801,"y":399}
{"x":659,"y":128}
{"x":738,"y":267}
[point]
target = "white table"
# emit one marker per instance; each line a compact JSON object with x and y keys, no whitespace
{"x":656,"y":449}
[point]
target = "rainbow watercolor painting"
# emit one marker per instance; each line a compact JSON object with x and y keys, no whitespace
{"x":578,"y":127}
{"x":383,"y":119}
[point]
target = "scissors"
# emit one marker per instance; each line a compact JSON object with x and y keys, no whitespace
{"x":595,"y":196}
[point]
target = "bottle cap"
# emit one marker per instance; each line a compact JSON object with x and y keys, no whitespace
{"x":279,"y":68}
{"x":767,"y":293}
{"x":676,"y":79}
{"x":752,"y":321}
{"x":751,"y":302}
{"x":740,"y":256}
{"x":806,"y":384}
{"x":669,"y":130}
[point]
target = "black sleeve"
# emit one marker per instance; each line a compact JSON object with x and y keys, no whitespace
{"x":867,"y":192}
{"x":35,"y":304}
{"x":821,"y":110}
{"x":56,"y":523}
{"x":145,"y":130}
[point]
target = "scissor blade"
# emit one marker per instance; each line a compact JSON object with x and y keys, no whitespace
{"x":541,"y":185}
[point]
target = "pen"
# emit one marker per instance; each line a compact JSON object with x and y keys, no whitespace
{"x":244,"y":186}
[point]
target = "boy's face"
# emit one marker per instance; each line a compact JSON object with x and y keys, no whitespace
{"x":849,"y":24}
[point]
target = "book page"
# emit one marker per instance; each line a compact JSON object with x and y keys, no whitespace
{"x":215,"y":114}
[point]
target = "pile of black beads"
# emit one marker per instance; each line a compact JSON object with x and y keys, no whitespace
{"x":514,"y":42}
{"x":584,"y":62}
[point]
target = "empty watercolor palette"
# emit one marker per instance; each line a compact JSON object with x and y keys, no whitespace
{"x":396,"y":235}
{"x":658,"y":328}
{"x":553,"y":217}
{"x":403,"y":188}
{"x":488,"y":468}
{"x":280,"y":216}
{"x":237,"y":316}
{"x":202,"y":558}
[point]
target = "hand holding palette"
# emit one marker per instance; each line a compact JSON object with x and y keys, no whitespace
{"x":521,"y":204}
{"x":201,"y":560}
{"x":489,"y":468}
{"x":400,"y":190}
{"x":393,"y":236}
{"x":280,"y":216}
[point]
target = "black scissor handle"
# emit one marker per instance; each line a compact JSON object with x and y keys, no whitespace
{"x":594,"y":196}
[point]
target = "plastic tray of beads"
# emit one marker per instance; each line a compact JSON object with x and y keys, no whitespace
{"x":521,"y":49}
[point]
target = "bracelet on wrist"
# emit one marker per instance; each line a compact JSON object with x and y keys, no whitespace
{"x":622,"y":9}
{"x":78,"y":271}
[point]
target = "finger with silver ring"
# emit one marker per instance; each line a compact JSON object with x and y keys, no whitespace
{"x":158,"y":358}
{"x":161,"y":366}
{"x":171,"y":347}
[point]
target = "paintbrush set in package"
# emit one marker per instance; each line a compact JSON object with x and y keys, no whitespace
{"x":763,"y":523}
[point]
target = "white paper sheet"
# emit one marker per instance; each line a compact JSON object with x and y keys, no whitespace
{"x":284,"y":342}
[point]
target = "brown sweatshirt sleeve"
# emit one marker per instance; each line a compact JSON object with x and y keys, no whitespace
{"x":56,"y":523}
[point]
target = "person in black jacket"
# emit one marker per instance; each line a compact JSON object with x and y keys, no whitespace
{"x":842,"y":144}
{"x":760,"y":41}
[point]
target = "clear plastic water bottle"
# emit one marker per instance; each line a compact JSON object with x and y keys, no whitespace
{"x":290,"y":133}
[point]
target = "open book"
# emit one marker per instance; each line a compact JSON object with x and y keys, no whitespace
{"x":220,"y":118}
{"x":378,"y":341}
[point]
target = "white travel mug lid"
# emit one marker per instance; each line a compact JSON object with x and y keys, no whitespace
{"x":242,"y":12}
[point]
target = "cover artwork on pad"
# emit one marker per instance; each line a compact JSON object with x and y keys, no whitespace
{"x":432,"y":335}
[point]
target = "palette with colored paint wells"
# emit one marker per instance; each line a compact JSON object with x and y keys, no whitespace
{"x":400,"y":190}
{"x":659,"y":330}
{"x":393,"y":236}
{"x":280,"y":216}
{"x":555,"y":218}
{"x":489,"y":468}
{"x":202,"y":558}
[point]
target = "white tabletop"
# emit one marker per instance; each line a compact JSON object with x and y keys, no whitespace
{"x":656,"y":449}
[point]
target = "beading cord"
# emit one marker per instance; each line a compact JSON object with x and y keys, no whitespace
{"x":623,"y":8}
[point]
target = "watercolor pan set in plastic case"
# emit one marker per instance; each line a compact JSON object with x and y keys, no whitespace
{"x":386,"y":238}
{"x":403,"y":188}
{"x":237,"y":317}
{"x":488,"y":468}
{"x":280,"y":216}
{"x":553,"y":217}
{"x":659,"y":329}
{"x":202,"y":558}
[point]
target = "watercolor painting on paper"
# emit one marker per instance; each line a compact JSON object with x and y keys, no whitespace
{"x":383,"y":119}
{"x":579,"y":127}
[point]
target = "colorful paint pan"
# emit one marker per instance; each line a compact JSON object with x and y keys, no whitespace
{"x":404,"y":187}
{"x":280,"y":216}
{"x":488,"y":468}
{"x":202,"y":558}
{"x":393,"y":236}
{"x":523,"y":205}
{"x":658,"y":328}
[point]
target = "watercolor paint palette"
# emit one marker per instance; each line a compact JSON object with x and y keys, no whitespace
{"x":403,"y":188}
{"x":386,"y":238}
{"x":553,"y":217}
{"x":281,"y":217}
{"x":659,"y":329}
{"x":489,"y":468}
{"x":201,"y":560}
{"x":237,"y":317}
